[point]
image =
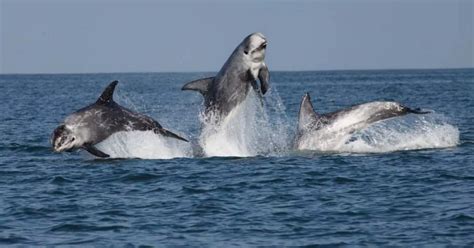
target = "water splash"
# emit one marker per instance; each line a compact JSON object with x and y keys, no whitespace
{"x":144,"y":144}
{"x":252,"y":128}
{"x":261,"y":127}
{"x":410,"y":132}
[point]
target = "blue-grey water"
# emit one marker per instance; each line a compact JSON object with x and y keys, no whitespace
{"x":421,"y":197}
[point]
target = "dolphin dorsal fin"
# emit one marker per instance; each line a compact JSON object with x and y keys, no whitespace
{"x":306,"y":115}
{"x":108,"y":94}
{"x":201,"y":85}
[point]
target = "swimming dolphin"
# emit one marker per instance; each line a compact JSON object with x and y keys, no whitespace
{"x":350,"y":119}
{"x":94,"y":123}
{"x":239,"y":73}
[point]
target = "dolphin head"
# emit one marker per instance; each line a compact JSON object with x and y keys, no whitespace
{"x":253,"y":47}
{"x":64,"y":139}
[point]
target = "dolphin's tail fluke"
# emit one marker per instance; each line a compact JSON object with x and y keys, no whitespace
{"x":170,"y":134}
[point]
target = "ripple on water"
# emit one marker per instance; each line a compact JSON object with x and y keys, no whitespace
{"x":461,"y":217}
{"x":86,"y":228}
{"x":11,"y":239}
{"x":139,"y":177}
{"x":60,"y":180}
{"x":344,"y":180}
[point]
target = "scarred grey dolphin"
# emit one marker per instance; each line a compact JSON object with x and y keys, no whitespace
{"x":94,"y":123}
{"x":350,"y":119}
{"x":238,"y":75}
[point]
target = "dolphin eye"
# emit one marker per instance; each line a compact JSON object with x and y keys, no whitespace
{"x":246,"y":52}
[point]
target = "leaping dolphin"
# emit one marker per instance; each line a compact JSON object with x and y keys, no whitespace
{"x":238,"y":75}
{"x":350,"y":119}
{"x":94,"y":123}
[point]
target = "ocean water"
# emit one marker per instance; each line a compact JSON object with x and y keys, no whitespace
{"x":407,"y":181}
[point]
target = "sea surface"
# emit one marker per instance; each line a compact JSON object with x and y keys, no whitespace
{"x":406,"y":182}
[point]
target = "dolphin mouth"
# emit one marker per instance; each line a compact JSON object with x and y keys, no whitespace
{"x":60,"y":149}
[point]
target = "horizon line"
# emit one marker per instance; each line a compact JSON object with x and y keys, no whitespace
{"x":324,"y":70}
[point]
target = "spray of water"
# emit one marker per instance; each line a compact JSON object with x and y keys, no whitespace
{"x":402,"y":133}
{"x":144,"y":144}
{"x":256,"y":127}
{"x":248,"y":130}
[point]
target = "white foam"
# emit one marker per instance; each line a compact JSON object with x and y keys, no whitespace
{"x":246,"y":131}
{"x":402,"y":133}
{"x":145,"y":145}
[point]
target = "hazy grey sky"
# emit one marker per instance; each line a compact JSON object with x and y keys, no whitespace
{"x":151,"y":36}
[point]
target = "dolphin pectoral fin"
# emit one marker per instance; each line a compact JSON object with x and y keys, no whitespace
{"x":264,"y":77}
{"x":170,"y":134}
{"x":201,"y":85}
{"x":94,"y":151}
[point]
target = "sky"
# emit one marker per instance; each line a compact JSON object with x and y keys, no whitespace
{"x":85,"y":36}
